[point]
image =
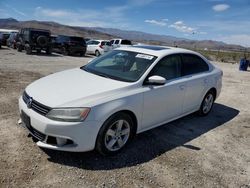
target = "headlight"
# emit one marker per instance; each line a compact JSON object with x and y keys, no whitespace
{"x":68,"y":114}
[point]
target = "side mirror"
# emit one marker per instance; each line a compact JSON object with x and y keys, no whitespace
{"x":156,"y":80}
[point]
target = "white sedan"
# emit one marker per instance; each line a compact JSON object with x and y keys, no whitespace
{"x":103,"y":104}
{"x":98,"y":47}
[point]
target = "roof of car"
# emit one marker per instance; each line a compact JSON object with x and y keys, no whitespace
{"x":155,"y":50}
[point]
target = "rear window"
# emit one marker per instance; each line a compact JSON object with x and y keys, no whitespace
{"x":193,"y":64}
{"x":77,"y":39}
{"x":126,"y":42}
{"x":6,"y":36}
{"x":105,"y":43}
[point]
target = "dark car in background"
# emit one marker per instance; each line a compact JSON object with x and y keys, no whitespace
{"x":3,"y":39}
{"x":13,"y":39}
{"x":69,"y":45}
{"x":34,"y":39}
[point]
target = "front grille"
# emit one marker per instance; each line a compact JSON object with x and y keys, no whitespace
{"x":36,"y":106}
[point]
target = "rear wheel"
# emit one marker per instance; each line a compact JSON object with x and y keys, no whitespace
{"x":82,"y":54}
{"x":207,"y":104}
{"x":97,"y":53}
{"x":114,"y":134}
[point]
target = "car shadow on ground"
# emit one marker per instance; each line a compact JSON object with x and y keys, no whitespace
{"x":46,"y":55}
{"x":151,"y":144}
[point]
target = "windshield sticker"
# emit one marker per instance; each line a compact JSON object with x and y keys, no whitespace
{"x":144,"y":56}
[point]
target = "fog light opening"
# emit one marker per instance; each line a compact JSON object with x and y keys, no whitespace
{"x":61,"y":141}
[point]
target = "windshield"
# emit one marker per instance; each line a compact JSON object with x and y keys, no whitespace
{"x":120,"y":65}
{"x":38,"y":33}
{"x":77,"y":39}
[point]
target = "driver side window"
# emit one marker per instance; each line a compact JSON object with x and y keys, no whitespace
{"x":168,"y":67}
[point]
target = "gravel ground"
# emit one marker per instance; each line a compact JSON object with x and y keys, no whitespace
{"x":212,"y":151}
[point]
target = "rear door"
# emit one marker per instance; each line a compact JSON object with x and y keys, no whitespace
{"x":195,"y":73}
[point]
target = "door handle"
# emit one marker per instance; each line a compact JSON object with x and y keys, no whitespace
{"x":205,"y":81}
{"x":182,"y":87}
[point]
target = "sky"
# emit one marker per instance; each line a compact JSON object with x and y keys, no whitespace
{"x":221,"y":20}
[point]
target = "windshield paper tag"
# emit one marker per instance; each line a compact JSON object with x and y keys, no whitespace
{"x":144,"y":56}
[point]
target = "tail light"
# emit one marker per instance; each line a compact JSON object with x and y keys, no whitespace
{"x":101,"y":46}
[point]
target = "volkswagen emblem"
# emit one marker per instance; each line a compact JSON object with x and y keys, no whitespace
{"x":29,"y":103}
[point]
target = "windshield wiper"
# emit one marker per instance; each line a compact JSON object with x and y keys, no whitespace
{"x":94,"y":72}
{"x":102,"y":75}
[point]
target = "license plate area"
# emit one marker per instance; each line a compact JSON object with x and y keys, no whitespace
{"x":35,"y":133}
{"x":26,"y":120}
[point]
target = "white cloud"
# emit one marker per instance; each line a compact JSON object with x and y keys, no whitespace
{"x":158,"y":23}
{"x":220,"y":7}
{"x":240,"y":39}
{"x":107,"y":17}
{"x":187,"y":30}
{"x":52,"y":13}
{"x":181,"y":27}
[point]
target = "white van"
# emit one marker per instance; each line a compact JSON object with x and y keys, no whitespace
{"x":115,"y":43}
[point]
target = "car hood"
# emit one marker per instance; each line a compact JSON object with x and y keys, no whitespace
{"x":73,"y":88}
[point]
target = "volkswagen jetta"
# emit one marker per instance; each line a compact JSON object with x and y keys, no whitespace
{"x":103,"y":104}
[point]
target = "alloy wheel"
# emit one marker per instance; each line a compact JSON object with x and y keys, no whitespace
{"x":117,"y":135}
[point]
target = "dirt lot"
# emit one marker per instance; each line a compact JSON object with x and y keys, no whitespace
{"x":212,"y":151}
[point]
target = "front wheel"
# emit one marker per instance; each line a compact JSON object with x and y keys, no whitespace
{"x":207,"y":104}
{"x":28,"y":49}
{"x":65,"y":51}
{"x":48,"y":51}
{"x":114,"y":134}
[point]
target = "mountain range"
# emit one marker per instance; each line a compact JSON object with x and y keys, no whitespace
{"x":108,"y":33}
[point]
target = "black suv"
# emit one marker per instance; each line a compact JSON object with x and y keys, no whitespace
{"x":34,"y":39}
{"x":68,"y":45}
{"x":3,"y":39}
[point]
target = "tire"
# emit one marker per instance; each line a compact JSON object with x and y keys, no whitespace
{"x":82,"y":54}
{"x":207,"y":104}
{"x":42,"y":41}
{"x":65,"y":51}
{"x":28,"y":49}
{"x":19,"y":48}
{"x":48,"y":51}
{"x":115,"y":134}
{"x":97,"y":53}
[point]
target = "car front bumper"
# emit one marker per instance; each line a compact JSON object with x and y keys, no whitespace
{"x":66,"y":136}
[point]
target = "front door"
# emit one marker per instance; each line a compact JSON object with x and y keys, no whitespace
{"x":163,"y":103}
